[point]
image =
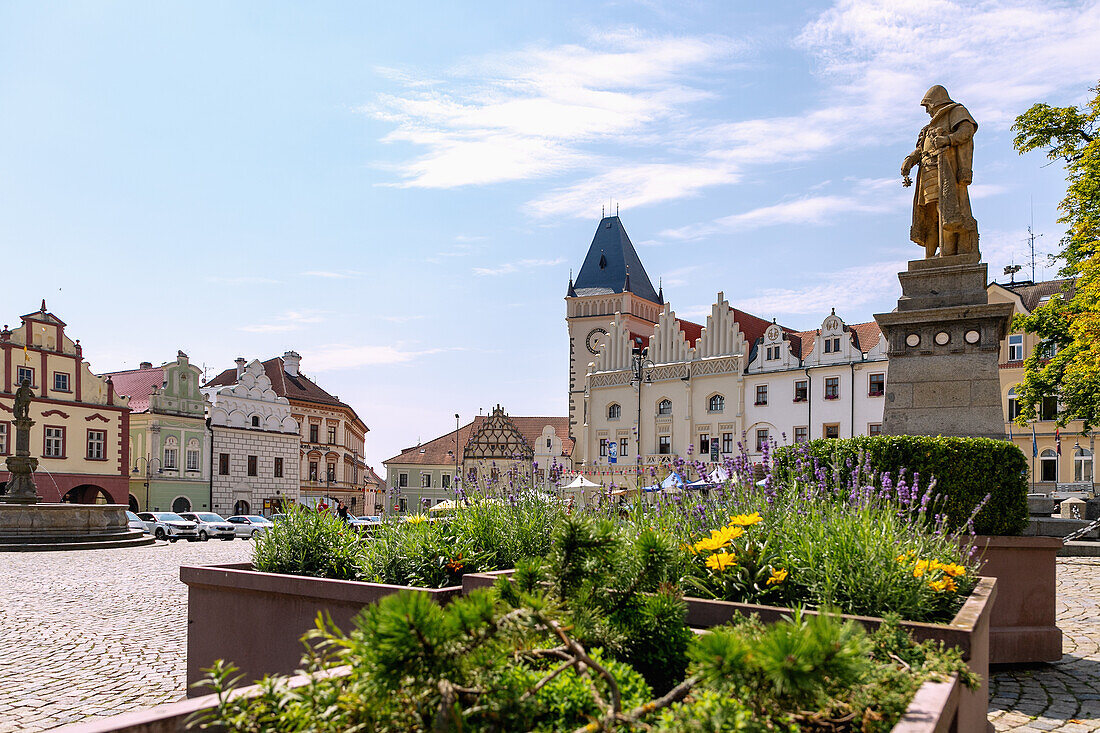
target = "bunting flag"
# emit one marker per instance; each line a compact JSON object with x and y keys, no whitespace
{"x":1034,"y":443}
{"x":1057,"y":441}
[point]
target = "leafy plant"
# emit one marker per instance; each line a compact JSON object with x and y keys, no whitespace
{"x":306,"y":542}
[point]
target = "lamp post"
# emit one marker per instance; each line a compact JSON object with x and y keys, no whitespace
{"x":457,"y":477}
{"x":148,"y":475}
{"x":639,"y":362}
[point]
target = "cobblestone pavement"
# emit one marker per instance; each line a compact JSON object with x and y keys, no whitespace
{"x":100,"y":632}
{"x":1064,"y":696}
{"x":96,"y":632}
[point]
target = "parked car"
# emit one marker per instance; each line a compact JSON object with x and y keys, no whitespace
{"x":211,"y":525}
{"x":169,"y":526}
{"x":365,"y":520}
{"x":250,"y":525}
{"x":278,"y":517}
{"x":134,"y":522}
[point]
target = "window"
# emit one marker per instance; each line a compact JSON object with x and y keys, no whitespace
{"x":802,"y":434}
{"x":876,"y":385}
{"x":772,"y":353}
{"x":402,"y":480}
{"x":832,"y":345}
{"x":623,"y":444}
{"x":704,"y":443}
{"x":60,"y":382}
{"x":253,"y":466}
{"x":1016,"y":347}
{"x":313,"y":432}
{"x":3,"y":438}
{"x":664,"y":407}
{"x":171,"y":455}
{"x":1013,"y":404}
{"x":425,"y":481}
{"x":446,"y":481}
{"x":874,"y":428}
{"x":1048,"y":408}
{"x":1047,"y":350}
{"x":761,"y":439}
{"x":313,"y":470}
{"x":831,"y":430}
{"x":403,"y":504}
{"x":801,"y":390}
{"x":255,"y":421}
{"x":192,"y":459}
{"x":549,"y":442}
{"x":278,"y":467}
{"x":727,"y":442}
{"x":832,"y":388}
{"x":332,"y":435}
{"x":664,"y":444}
{"x":1082,"y":465}
{"x":717,"y":403}
{"x":330,"y":472}
{"x":1048,"y":466}
{"x":761,"y":394}
{"x":603,"y":447}
{"x":614,"y":412}
{"x":54,"y":443}
{"x":223,"y":464}
{"x":97,"y":445}
{"x":24,"y":374}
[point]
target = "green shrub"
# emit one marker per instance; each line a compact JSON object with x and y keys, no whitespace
{"x":966,"y":470}
{"x":306,"y":542}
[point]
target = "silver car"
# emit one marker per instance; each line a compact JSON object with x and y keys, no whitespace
{"x":134,"y":522}
{"x":250,"y":525}
{"x":169,"y":526}
{"x":211,"y":525}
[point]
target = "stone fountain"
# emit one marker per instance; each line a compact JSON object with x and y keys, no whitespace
{"x":26,"y":523}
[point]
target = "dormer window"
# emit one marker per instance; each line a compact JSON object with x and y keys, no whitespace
{"x":832,"y":345}
{"x":772,"y":353}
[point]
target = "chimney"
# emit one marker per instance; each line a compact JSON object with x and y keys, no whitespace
{"x":145,"y":365}
{"x":291,"y":360}
{"x":239,"y":361}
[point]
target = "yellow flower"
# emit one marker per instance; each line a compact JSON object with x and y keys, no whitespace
{"x":727,"y":534}
{"x":707,"y":544}
{"x":721,"y":560}
{"x":920,"y":568}
{"x":902,"y":559}
{"x":953,"y":570}
{"x":778,"y":576}
{"x":416,"y":519}
{"x":746,"y":520}
{"x":942,"y":584}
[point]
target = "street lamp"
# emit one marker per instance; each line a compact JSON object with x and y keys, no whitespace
{"x":639,"y":362}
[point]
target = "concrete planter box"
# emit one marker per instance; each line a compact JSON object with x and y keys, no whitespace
{"x":256,"y":620}
{"x":933,"y":709}
{"x":969,"y":631}
{"x":1023,"y":626}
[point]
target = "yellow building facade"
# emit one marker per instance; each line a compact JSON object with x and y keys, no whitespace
{"x":81,"y":429}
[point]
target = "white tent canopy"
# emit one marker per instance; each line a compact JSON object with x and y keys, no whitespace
{"x":580,"y":482}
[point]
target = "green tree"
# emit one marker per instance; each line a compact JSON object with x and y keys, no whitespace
{"x":1069,"y":321}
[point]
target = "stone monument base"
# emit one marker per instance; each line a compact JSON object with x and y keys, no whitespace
{"x":38,"y":527}
{"x":944,"y":344}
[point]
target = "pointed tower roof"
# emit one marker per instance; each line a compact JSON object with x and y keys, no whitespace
{"x":605,"y":267}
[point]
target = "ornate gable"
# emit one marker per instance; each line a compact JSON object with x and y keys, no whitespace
{"x":721,"y":337}
{"x":616,"y":348}
{"x":669,"y":344}
{"x":498,"y":438}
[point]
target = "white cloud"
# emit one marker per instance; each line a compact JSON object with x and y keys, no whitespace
{"x":289,"y":321}
{"x":343,"y":356}
{"x":844,"y":289}
{"x":537,"y":112}
{"x":509,"y":267}
{"x":332,"y":275}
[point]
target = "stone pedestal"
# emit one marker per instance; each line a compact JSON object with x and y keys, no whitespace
{"x":943,"y":343}
{"x":20,"y":486}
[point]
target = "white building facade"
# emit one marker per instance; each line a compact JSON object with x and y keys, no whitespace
{"x":255,"y":445}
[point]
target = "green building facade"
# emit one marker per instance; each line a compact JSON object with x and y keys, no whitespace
{"x":170,"y":460}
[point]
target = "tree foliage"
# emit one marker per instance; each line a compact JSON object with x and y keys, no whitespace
{"x":1071,"y":320}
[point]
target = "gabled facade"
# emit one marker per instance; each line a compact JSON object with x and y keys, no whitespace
{"x":169,"y":439}
{"x":81,"y":433}
{"x":254,"y":461}
{"x":424,"y":475}
{"x":331,"y":464}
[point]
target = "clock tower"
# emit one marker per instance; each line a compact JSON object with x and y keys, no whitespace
{"x":611,"y":280}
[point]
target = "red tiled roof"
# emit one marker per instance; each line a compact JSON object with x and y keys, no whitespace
{"x":137,"y":384}
{"x":752,"y":326}
{"x":806,"y":341}
{"x":867,"y":335}
{"x":435,"y":452}
{"x":692,"y":331}
{"x":300,"y":387}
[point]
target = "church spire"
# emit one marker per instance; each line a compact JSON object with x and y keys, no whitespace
{"x":612,"y":265}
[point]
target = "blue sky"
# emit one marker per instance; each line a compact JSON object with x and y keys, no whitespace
{"x":398,"y":190}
